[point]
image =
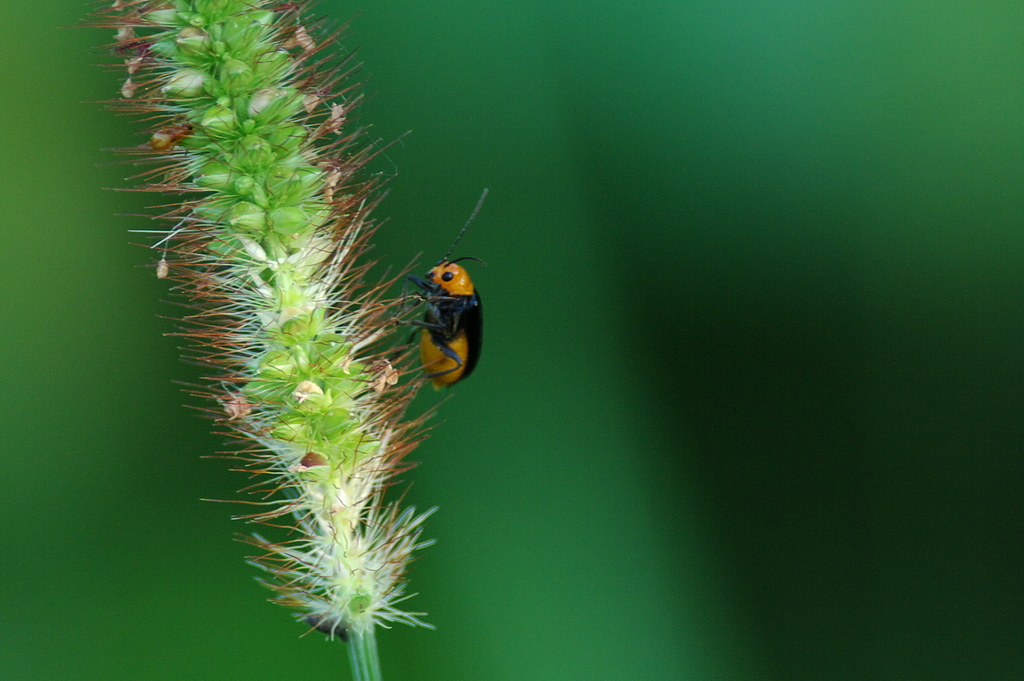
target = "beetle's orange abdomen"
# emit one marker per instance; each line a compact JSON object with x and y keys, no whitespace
{"x":435,"y":361}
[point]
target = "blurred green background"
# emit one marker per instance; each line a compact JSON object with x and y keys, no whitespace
{"x":751,"y":404}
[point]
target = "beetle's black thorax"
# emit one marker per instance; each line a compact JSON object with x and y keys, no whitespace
{"x":450,"y":312}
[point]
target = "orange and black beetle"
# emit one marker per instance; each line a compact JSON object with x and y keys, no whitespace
{"x":453,"y":326}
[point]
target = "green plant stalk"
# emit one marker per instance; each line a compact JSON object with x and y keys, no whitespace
{"x":248,"y":126}
{"x":362,"y":648}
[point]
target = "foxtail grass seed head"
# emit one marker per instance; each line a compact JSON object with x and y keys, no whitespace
{"x":247,"y":117}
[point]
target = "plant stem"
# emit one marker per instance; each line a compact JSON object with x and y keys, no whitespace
{"x":362,"y":652}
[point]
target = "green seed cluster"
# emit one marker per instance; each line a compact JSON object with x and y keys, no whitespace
{"x":267,"y":244}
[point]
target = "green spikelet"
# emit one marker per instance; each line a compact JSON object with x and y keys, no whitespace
{"x":249,"y":126}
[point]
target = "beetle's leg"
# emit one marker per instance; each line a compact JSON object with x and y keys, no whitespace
{"x":450,"y":354}
{"x":420,"y":324}
{"x":413,"y":299}
{"x":405,"y":297}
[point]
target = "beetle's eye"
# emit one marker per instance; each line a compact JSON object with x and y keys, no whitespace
{"x":448,"y":276}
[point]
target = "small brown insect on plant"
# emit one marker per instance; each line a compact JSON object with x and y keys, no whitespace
{"x":165,"y":138}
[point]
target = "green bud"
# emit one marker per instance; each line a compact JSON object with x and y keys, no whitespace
{"x":237,"y":32}
{"x":185,"y":83}
{"x":164,"y":17}
{"x":277,"y":365}
{"x":309,"y":397}
{"x":192,"y":41}
{"x":287,"y":136}
{"x":293,"y":431}
{"x":307,"y":181}
{"x":259,"y":196}
{"x":264,"y":18}
{"x":244,"y":184}
{"x":337,"y":419}
{"x":264,"y":98}
{"x":282,"y":105}
{"x":295,"y":187}
{"x":255,"y":152}
{"x":235,"y":67}
{"x":289,"y":220}
{"x":219,"y":121}
{"x":248,"y":217}
{"x":214,"y":175}
{"x":296,"y":329}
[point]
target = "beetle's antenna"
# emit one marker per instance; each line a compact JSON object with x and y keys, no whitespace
{"x":468,"y":223}
{"x":467,"y":257}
